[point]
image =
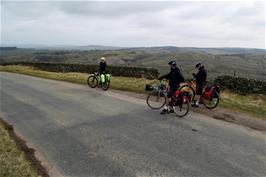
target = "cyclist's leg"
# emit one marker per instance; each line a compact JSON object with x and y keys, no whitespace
{"x":168,"y":100}
{"x":99,"y":72}
{"x":105,"y":77}
{"x":99,"y":77}
{"x":199,"y":88}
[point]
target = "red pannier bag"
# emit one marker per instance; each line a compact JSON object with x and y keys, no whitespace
{"x":208,"y":93}
{"x":177,"y":93}
{"x":182,"y":96}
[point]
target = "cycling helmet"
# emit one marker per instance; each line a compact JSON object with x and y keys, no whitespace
{"x":172,"y":62}
{"x":198,"y":64}
{"x":103,"y":59}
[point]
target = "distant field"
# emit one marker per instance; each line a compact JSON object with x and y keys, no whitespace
{"x":242,"y":62}
{"x":254,"y":105}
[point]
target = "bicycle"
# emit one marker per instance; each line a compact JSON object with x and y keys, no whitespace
{"x":96,"y":80}
{"x":210,"y":96}
{"x":157,"y":99}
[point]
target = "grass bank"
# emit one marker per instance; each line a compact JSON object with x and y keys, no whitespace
{"x":254,"y":105}
{"x":13,"y":161}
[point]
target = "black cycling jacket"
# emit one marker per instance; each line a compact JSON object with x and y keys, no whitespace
{"x":102,"y":67}
{"x":201,"y":76}
{"x":175,"y":78}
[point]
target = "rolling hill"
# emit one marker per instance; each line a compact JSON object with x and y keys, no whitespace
{"x":244,"y":62}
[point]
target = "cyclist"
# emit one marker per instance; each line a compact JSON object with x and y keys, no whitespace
{"x":201,"y":77}
{"x":102,"y":70}
{"x":102,"y":66}
{"x":175,"y":77}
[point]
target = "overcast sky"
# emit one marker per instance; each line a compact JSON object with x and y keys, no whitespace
{"x":125,"y":24}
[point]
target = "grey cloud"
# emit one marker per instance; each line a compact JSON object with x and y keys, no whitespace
{"x":113,"y":9}
{"x":135,"y":23}
{"x":103,"y":9}
{"x":30,"y":9}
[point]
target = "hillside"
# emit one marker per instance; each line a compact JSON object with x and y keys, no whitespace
{"x":244,"y":62}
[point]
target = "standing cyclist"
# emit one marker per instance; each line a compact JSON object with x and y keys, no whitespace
{"x":175,"y":77}
{"x":201,"y":77}
{"x":102,"y":70}
{"x":102,"y":66}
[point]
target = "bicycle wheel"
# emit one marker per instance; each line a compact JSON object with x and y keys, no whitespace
{"x":210,"y":103}
{"x":189,"y":89}
{"x":183,"y":109}
{"x":156,"y":100}
{"x":92,"y":81}
{"x":105,"y":85}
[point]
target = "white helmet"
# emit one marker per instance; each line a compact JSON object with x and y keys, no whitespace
{"x":103,"y":59}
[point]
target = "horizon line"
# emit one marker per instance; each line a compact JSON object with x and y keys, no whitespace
{"x":111,"y":46}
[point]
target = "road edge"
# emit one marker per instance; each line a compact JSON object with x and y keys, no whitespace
{"x":36,"y":160}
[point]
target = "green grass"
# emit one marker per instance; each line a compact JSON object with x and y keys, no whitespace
{"x":13,"y":162}
{"x":118,"y":83}
{"x":254,"y":105}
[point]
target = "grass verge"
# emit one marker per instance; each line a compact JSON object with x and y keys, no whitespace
{"x":13,"y":160}
{"x":254,"y":105}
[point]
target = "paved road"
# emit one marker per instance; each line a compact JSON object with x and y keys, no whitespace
{"x":85,"y":132}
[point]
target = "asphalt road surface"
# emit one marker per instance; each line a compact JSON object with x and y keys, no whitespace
{"x":89,"y":132}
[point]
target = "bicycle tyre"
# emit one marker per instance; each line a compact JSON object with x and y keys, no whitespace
{"x":177,"y":112}
{"x":92,"y":81}
{"x":158,"y":96}
{"x":213,"y":106}
{"x":105,"y":86}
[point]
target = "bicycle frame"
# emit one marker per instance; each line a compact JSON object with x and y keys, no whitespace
{"x":159,"y":88}
{"x":192,"y":83}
